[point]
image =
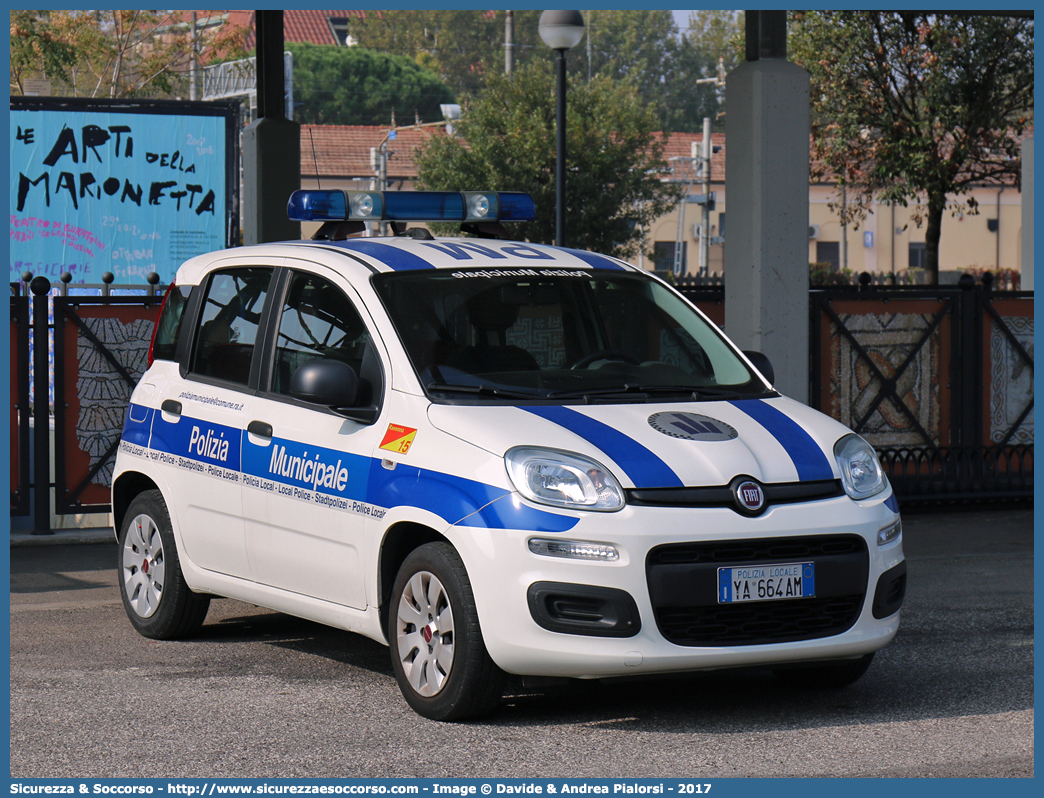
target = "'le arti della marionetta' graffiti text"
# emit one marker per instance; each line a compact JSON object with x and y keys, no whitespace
{"x":94,"y":142}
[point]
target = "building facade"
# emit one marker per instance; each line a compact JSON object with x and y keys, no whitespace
{"x":888,"y":242}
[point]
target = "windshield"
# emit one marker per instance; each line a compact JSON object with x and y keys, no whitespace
{"x":558,"y":334}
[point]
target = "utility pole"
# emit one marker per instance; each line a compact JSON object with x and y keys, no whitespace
{"x":705,"y":172}
{"x":194,"y":61}
{"x":844,"y":227}
{"x":701,"y":164}
{"x":590,"y":22}
{"x":686,"y":178}
{"x":509,"y":42}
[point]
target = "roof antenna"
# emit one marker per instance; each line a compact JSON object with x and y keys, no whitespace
{"x":314,"y":160}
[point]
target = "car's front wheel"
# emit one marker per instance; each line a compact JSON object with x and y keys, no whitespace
{"x":437,"y":651}
{"x":158,"y":602}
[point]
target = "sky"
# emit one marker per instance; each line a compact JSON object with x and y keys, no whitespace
{"x":681,"y":19}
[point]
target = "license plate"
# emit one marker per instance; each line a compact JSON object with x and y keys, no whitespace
{"x":792,"y":580}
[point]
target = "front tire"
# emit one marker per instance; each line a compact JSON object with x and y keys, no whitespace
{"x":158,"y":602}
{"x":827,"y":675}
{"x":437,"y":651}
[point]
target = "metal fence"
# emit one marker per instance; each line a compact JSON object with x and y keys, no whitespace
{"x":939,"y":379}
{"x":95,"y":347}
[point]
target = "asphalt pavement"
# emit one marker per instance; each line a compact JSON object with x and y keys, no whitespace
{"x":260,"y":694}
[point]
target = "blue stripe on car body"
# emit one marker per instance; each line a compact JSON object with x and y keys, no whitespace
{"x":393,"y":257}
{"x":808,"y":458}
{"x":459,"y":501}
{"x":592,"y":259}
{"x":137,"y":424}
{"x":644,"y":468}
{"x":359,"y":478}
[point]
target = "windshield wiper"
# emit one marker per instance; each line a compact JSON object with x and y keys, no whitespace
{"x":480,"y":390}
{"x":694,"y":393}
{"x":724,"y":392}
{"x":581,"y":393}
{"x":627,"y":389}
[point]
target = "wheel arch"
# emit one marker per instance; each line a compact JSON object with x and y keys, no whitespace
{"x":400,"y":539}
{"x":124,"y":489}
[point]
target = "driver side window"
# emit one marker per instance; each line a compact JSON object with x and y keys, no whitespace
{"x":318,"y":322}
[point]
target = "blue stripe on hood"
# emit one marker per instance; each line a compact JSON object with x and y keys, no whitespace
{"x":644,"y":468}
{"x":808,"y":458}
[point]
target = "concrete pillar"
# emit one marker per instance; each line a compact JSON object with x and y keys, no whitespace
{"x":1027,"y":215}
{"x":767,"y":185}
{"x":271,"y":144}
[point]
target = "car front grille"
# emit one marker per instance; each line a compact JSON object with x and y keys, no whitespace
{"x":683,"y":582}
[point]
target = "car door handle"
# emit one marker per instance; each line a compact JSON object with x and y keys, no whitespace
{"x":172,"y":406}
{"x":262,"y":428}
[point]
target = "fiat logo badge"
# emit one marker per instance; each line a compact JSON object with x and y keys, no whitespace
{"x":750,"y":496}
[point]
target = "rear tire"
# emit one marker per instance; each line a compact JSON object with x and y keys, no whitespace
{"x":158,"y":602}
{"x":827,"y":675}
{"x":437,"y":651}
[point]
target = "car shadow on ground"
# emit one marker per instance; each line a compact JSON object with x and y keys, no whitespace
{"x":901,"y":685}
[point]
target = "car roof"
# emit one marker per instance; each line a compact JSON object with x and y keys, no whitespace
{"x":405,"y":253}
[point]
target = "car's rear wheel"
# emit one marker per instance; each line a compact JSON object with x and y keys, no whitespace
{"x":158,"y":602}
{"x":827,"y":674}
{"x":437,"y":651}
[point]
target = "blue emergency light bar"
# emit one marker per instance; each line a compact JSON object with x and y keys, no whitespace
{"x":337,"y":205}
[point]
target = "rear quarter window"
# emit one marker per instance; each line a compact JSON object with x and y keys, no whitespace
{"x":168,"y":326}
{"x":229,"y":323}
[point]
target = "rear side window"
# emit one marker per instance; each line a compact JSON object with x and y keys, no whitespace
{"x":228,"y":324}
{"x":168,"y":327}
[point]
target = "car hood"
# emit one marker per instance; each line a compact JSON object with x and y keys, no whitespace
{"x":664,"y":445}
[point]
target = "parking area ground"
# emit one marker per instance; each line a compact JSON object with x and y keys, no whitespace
{"x":260,"y":694}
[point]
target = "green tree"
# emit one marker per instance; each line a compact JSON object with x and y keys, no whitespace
{"x":461,"y":46}
{"x":357,"y":86}
{"x":37,"y":49}
{"x":915,"y":107}
{"x":114,"y":53}
{"x":637,"y":45}
{"x":464,"y":47}
{"x":506,"y":142}
{"x":710,"y":36}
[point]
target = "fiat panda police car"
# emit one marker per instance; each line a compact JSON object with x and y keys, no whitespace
{"x":496,"y":457}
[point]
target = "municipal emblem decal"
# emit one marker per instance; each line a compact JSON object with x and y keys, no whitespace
{"x":692,"y":427}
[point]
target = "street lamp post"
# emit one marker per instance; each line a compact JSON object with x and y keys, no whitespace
{"x":561,"y":30}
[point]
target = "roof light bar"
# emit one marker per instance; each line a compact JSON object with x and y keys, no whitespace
{"x":320,"y":205}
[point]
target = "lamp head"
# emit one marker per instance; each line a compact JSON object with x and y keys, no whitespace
{"x":561,"y":30}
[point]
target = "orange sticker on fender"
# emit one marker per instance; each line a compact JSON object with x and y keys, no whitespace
{"x":398,"y":438}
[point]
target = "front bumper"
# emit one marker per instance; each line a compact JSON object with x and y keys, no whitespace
{"x":654,"y":606}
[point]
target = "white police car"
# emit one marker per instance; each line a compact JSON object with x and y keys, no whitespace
{"x":498,"y":457}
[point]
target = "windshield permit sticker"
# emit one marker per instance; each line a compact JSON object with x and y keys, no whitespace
{"x":398,"y":438}
{"x":692,"y":427}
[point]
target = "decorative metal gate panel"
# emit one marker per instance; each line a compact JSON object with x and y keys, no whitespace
{"x":101,"y":347}
{"x":939,"y":380}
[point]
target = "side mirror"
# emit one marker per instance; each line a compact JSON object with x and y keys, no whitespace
{"x":762,"y":364}
{"x":330,"y":383}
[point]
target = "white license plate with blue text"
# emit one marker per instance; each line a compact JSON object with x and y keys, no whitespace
{"x":792,"y":580}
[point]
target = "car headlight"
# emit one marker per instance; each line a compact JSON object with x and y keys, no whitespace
{"x":563,"y":479}
{"x":861,"y":472}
